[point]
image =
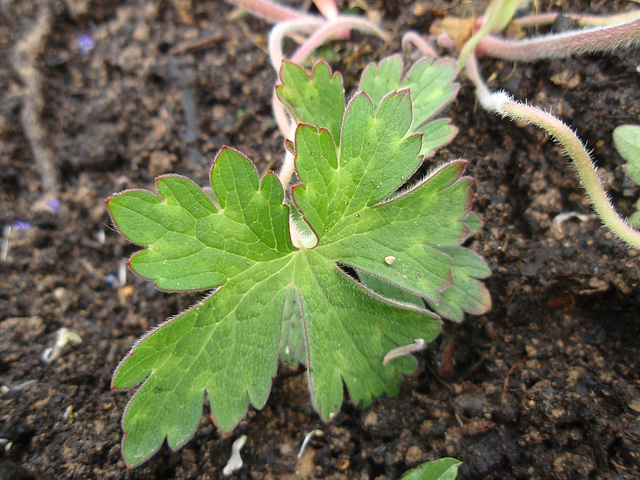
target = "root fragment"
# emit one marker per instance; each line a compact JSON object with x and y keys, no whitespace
{"x":24,"y":57}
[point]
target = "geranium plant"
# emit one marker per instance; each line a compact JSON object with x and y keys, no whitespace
{"x":350,"y":269}
{"x":285,"y":269}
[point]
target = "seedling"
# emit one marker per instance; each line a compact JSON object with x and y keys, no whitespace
{"x":284,"y":272}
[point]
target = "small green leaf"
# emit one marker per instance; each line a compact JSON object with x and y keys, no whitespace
{"x":381,"y":79}
{"x":318,"y":101}
{"x":432,"y":87}
{"x":435,"y":135}
{"x":627,"y":141}
{"x":442,"y":469}
{"x":466,"y":293}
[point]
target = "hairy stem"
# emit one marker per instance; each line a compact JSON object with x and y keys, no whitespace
{"x":561,"y":45}
{"x":504,"y":105}
{"x":417,"y":40}
{"x":582,"y":19}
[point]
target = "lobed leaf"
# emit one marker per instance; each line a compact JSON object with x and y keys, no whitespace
{"x":436,"y":134}
{"x":318,"y":101}
{"x":466,"y":293}
{"x":271,"y":300}
{"x":432,"y":87}
{"x":378,"y":80}
{"x":188,"y":240}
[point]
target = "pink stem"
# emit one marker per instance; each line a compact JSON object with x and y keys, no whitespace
{"x":412,"y":37}
{"x":562,"y":45}
{"x":583,"y":20}
{"x":324,"y":32}
{"x":328,"y":9}
{"x":271,"y":11}
{"x":281,"y":30}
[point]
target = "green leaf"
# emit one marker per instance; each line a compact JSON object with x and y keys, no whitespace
{"x":466,"y":293}
{"x":380,"y":79}
{"x":272,"y":299}
{"x":432,"y":87}
{"x":292,"y":346}
{"x":435,"y":135}
{"x":319,"y":101}
{"x":442,"y":469}
{"x":627,"y":141}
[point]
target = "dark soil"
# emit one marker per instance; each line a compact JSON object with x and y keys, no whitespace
{"x":546,"y":385}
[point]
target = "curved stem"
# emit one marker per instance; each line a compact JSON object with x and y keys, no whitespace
{"x":281,"y":30}
{"x":583,"y":20}
{"x":414,"y":38}
{"x":562,"y":134}
{"x":329,"y":28}
{"x":504,"y":105}
{"x":271,"y":11}
{"x":561,"y":45}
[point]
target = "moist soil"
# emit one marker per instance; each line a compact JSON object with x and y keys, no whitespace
{"x":97,"y":97}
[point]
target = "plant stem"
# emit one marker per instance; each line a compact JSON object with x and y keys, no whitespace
{"x":502,"y":104}
{"x":583,"y":20}
{"x":272,"y":11}
{"x":283,"y":29}
{"x":561,"y":45}
{"x":329,"y":28}
{"x":413,"y":37}
{"x":328,"y":9}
